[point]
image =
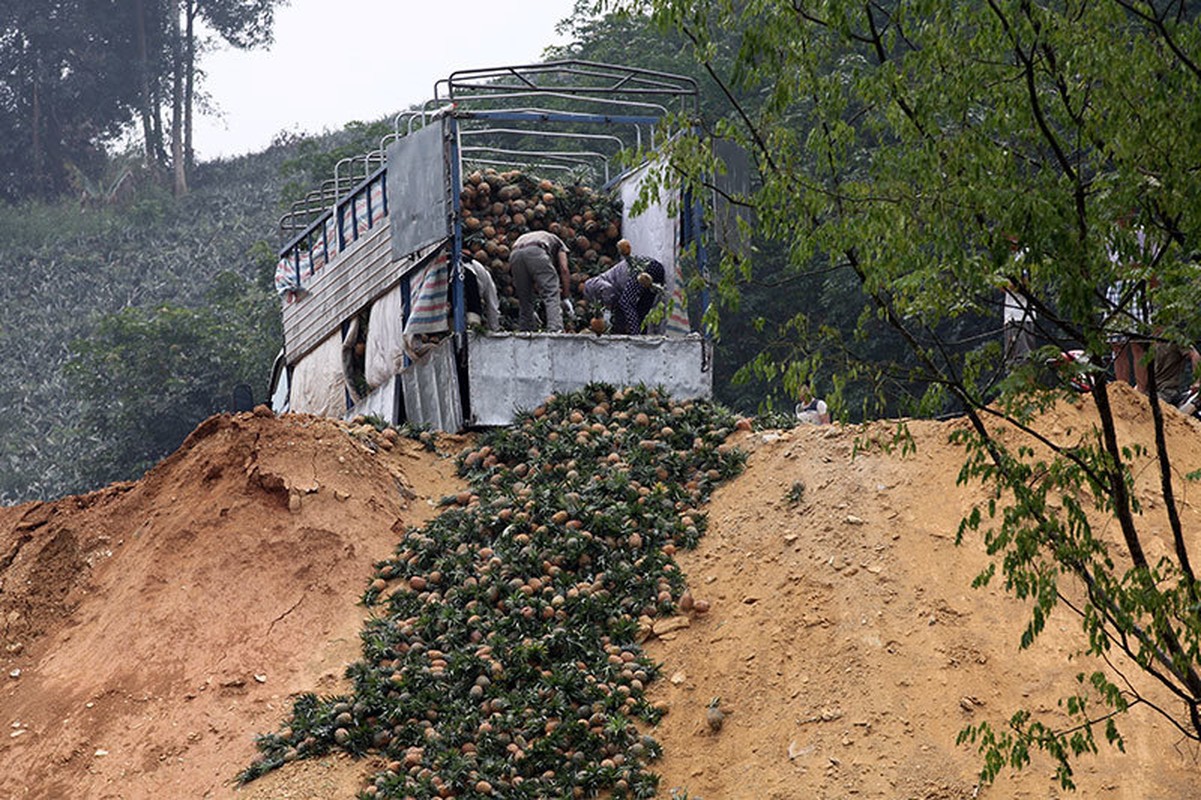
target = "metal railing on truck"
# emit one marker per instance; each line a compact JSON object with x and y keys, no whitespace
{"x":517,"y":116}
{"x":328,"y":220}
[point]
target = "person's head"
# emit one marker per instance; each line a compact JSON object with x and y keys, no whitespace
{"x":655,"y":268}
{"x":623,"y":247}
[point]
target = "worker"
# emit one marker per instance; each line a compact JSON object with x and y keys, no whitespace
{"x":810,"y":409}
{"x":479,"y":294}
{"x":533,"y":260}
{"x":628,"y":290}
{"x":1168,"y":360}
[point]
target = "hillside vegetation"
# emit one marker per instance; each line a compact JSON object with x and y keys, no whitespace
{"x":80,"y":277}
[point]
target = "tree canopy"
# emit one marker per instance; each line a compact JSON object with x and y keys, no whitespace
{"x":159,"y":371}
{"x":67,"y":85}
{"x":75,"y":73}
{"x":939,"y":155}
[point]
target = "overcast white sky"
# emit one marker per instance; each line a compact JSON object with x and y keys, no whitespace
{"x":333,"y":62}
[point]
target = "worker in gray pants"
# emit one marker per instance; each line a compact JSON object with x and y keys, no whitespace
{"x":533,"y":260}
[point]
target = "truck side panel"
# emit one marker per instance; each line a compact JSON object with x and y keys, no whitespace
{"x":419,"y":190}
{"x":506,"y":372}
{"x":363,"y":272}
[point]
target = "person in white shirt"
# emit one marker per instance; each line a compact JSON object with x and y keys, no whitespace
{"x":810,"y":409}
{"x":483,"y":304}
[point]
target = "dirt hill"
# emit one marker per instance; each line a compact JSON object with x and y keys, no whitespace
{"x":149,"y":630}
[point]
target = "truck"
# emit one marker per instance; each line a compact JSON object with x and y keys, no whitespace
{"x":371,"y":269}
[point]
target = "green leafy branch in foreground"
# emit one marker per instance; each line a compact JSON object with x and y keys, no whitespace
{"x":954,"y":158}
{"x":503,"y":658}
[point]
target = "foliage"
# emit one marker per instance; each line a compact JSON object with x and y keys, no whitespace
{"x":774,"y":312}
{"x":910,"y":148}
{"x":74,"y":75}
{"x":502,"y":658}
{"x":65,"y":269}
{"x":67,"y":84}
{"x":316,"y":158}
{"x":242,"y":23}
{"x":160,"y":372}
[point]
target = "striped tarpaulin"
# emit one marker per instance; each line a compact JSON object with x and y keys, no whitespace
{"x":331,"y":237}
{"x":430,"y":304}
{"x":285,"y":275}
{"x":346,"y":220}
{"x":317,"y":251}
{"x":362,"y":221}
{"x":306,"y":267}
{"x":677,"y":322}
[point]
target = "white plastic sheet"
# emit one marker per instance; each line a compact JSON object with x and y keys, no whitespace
{"x":656,"y":233}
{"x":319,"y":382}
{"x":385,"y":339}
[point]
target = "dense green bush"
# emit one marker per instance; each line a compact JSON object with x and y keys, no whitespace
{"x":144,"y":378}
{"x":139,"y":276}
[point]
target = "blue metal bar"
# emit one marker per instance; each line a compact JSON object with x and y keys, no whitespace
{"x":451,"y":132}
{"x":367,"y":199}
{"x":702,"y":255}
{"x":540,"y":116}
{"x":406,"y":309}
{"x":356,"y":189}
{"x":542,"y":133}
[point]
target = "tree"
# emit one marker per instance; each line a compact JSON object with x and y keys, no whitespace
{"x":245,"y":24}
{"x":242,"y":23}
{"x":759,"y":325}
{"x":904,"y":145}
{"x":177,"y":83}
{"x":149,"y":33}
{"x":75,"y":73}
{"x":66,"y":89}
{"x":147,"y":377}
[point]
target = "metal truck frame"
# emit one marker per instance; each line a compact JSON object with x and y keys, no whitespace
{"x":385,"y":238}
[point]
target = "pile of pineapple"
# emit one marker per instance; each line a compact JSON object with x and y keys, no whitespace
{"x":497,"y":207}
{"x":503,"y":657}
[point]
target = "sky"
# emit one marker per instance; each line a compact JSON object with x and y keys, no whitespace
{"x":334,"y":62}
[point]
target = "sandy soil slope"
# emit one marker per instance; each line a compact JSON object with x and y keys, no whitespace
{"x":157,"y":626}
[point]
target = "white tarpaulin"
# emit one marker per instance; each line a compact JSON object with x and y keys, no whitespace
{"x":385,"y":339}
{"x":319,"y":382}
{"x":656,"y":233}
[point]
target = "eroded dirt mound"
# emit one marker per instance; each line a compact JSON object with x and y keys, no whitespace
{"x":849,"y":648}
{"x":151,"y":629}
{"x":158,"y":626}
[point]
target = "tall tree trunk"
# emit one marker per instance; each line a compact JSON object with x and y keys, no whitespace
{"x":144,"y":103}
{"x":36,"y":145}
{"x":156,"y":122}
{"x":177,"y":156}
{"x":190,"y":11}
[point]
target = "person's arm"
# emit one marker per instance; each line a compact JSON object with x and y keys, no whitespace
{"x":488,"y":296}
{"x":602,"y":288}
{"x":564,"y":275}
